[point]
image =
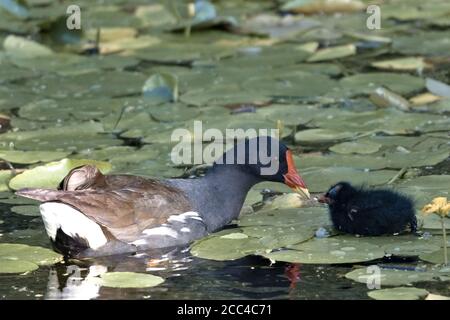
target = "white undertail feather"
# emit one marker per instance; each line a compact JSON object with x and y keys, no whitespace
{"x":72,"y":222}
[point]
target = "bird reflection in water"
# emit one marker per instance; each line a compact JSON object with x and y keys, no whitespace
{"x":81,"y":280}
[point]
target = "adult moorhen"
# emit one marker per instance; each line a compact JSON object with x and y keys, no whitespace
{"x":96,"y":215}
{"x":369,"y":212}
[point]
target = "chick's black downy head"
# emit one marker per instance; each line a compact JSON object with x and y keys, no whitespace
{"x":338,"y":193}
{"x":369,"y":212}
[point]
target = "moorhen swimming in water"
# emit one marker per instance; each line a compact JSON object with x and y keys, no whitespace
{"x":94,"y":214}
{"x":369,"y":212}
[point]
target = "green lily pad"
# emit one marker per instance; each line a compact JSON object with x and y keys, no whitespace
{"x":432,"y":43}
{"x":5,"y":176}
{"x":51,"y":174}
{"x":400,"y":293}
{"x":27,"y":210}
{"x":311,"y":217}
{"x":436,"y":257}
{"x":16,"y":266}
{"x":365,"y":83}
{"x":328,"y":251}
{"x":222,"y":249}
{"x":320,"y":179}
{"x":392,"y":277}
{"x":21,"y":47}
{"x":28,"y":157}
{"x":358,"y":147}
{"x":321,"y":136}
{"x":391,"y":160}
{"x":37,"y":255}
{"x":332,"y":53}
{"x":130,"y":280}
{"x":402,"y":64}
{"x":236,"y":235}
{"x":299,"y":84}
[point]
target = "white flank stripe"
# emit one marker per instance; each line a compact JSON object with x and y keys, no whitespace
{"x":161,"y":231}
{"x":184,"y":216}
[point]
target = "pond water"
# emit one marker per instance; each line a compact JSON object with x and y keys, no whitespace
{"x":352,"y":102}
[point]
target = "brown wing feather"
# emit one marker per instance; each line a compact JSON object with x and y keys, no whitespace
{"x":126,"y":207}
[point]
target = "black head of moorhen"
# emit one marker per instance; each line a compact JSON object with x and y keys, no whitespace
{"x":369,"y":212}
{"x":94,"y":214}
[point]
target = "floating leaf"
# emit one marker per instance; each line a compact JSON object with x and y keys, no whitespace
{"x":5,"y":176}
{"x":391,"y":277}
{"x":358,"y":147}
{"x":400,"y":293}
{"x":16,"y":266}
{"x":27,"y":157}
{"x":51,"y":174}
{"x":365,"y":83}
{"x":36,"y":255}
{"x":20,"y":47}
{"x":325,"y":6}
{"x":219,"y":248}
{"x":332,"y":53}
{"x":32,"y":211}
{"x":402,"y":64}
{"x":385,"y":98}
{"x":436,"y":297}
{"x":129,"y":280}
{"x":328,"y":251}
{"x":438,"y":88}
{"x":425,"y":98}
{"x":436,"y":257}
{"x":321,"y":136}
{"x":236,"y":235}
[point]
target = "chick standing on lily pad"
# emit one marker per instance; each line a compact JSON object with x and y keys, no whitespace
{"x":369,"y":212}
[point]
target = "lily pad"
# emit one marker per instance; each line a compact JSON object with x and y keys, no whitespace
{"x":392,"y":277}
{"x":365,"y":83}
{"x":436,"y":257}
{"x":32,"y":211}
{"x":37,"y":255}
{"x":328,"y":251}
{"x":402,"y":64}
{"x":222,"y":249}
{"x":356,"y":147}
{"x":333,"y":53}
{"x":320,"y":179}
{"x":5,"y":176}
{"x":16,"y":266}
{"x":400,"y":293}
{"x":28,"y":157}
{"x":21,"y":47}
{"x":321,"y":136}
{"x":51,"y":174}
{"x":130,"y":280}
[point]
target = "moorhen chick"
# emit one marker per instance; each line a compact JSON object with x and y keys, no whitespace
{"x":369,"y":212}
{"x":96,"y":215}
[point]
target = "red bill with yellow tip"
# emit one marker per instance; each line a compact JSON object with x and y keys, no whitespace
{"x":293,"y":179}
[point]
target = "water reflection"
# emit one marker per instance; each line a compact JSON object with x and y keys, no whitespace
{"x":80,"y":280}
{"x":76,"y":287}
